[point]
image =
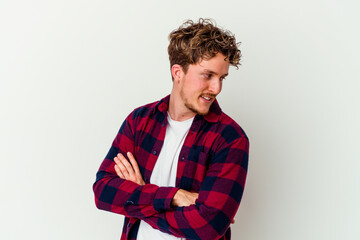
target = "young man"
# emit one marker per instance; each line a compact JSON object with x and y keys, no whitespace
{"x":177,"y":167}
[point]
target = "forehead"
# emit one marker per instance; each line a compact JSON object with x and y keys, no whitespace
{"x":216,"y":64}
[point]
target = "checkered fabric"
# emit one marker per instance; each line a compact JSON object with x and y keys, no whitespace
{"x":213,"y":162}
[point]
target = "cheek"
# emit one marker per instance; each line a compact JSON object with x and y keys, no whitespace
{"x":194,"y":86}
{"x":199,"y":85}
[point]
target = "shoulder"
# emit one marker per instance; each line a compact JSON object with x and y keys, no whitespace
{"x":229,"y":129}
{"x":138,"y":117}
{"x":230,"y":134}
{"x":144,"y":111}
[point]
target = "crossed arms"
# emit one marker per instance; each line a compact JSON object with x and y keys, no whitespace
{"x":130,"y":171}
{"x":120,"y":188}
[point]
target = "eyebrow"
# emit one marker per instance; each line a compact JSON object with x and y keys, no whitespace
{"x":212,"y":72}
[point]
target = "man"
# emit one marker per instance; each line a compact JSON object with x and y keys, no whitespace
{"x":177,"y":167}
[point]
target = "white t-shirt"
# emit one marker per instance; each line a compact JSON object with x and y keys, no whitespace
{"x":164,"y":172}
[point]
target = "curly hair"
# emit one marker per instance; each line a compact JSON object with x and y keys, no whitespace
{"x":193,"y":42}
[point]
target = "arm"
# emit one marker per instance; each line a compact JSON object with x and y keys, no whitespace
{"x":124,"y":196}
{"x":216,"y":205}
{"x":208,"y":215}
{"x":129,"y":170}
{"x":218,"y":200}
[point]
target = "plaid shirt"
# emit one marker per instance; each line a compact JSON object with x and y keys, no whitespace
{"x":213,"y":162}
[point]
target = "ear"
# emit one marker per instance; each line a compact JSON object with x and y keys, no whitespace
{"x":177,"y":72}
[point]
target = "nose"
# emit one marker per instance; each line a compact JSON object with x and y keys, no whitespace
{"x":215,"y":86}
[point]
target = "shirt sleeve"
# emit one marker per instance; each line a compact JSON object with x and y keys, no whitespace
{"x":218,"y":201}
{"x":126,"y":197}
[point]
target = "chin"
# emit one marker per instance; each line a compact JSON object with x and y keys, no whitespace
{"x":203,"y":113}
{"x":198,"y":111}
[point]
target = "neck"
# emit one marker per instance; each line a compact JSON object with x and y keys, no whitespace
{"x":177,"y":110}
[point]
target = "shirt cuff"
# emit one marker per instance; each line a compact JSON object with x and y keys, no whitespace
{"x":163,"y":198}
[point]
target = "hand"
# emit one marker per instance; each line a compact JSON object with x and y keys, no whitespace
{"x":183,"y":198}
{"x":128,"y":171}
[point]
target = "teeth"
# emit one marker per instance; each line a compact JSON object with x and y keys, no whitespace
{"x":207,"y":98}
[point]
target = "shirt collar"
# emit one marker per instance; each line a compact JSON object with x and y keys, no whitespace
{"x":212,"y":116}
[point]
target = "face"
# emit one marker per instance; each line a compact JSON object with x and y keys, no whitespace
{"x":202,"y":83}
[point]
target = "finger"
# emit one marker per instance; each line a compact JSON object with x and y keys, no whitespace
{"x":118,"y":163}
{"x":118,"y":171}
{"x":116,"y":160}
{"x":134,"y":163}
{"x":123,"y":170}
{"x":194,"y":195}
{"x":126,"y":163}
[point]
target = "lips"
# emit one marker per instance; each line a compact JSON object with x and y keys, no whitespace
{"x":207,"y":98}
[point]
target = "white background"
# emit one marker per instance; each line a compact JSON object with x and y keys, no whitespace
{"x":71,"y":71}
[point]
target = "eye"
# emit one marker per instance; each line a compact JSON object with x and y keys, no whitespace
{"x":207,"y":75}
{"x":222,"y":78}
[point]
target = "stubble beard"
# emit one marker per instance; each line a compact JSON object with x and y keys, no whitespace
{"x":190,"y":106}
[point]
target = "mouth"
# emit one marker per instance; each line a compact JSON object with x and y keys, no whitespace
{"x":207,"y":98}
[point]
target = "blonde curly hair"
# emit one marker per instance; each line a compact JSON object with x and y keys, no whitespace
{"x":193,"y":42}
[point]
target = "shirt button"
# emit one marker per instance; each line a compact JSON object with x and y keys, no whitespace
{"x":154,"y":152}
{"x":182,"y":158}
